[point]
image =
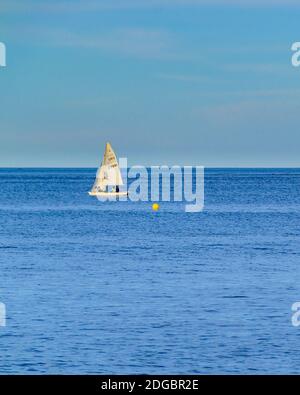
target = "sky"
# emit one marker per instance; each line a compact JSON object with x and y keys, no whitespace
{"x":166,"y":82}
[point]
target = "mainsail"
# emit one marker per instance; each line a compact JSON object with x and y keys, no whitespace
{"x":108,"y":173}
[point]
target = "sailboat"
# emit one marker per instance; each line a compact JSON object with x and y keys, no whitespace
{"x":108,"y":178}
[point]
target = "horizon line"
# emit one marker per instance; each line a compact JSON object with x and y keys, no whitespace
{"x":206,"y":167}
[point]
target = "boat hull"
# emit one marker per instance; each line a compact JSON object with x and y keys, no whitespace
{"x":108,"y":194}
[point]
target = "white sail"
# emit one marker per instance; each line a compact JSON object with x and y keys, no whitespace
{"x":108,"y":173}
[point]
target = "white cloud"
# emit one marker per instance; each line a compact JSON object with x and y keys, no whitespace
{"x":133,"y":42}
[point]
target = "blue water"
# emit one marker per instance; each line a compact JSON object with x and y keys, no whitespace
{"x":95,"y":287}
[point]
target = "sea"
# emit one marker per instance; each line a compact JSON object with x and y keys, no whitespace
{"x":117,"y":288}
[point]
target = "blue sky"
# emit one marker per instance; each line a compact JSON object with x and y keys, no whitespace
{"x":166,"y":82}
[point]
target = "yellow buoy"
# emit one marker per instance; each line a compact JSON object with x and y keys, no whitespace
{"x":155,"y":206}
